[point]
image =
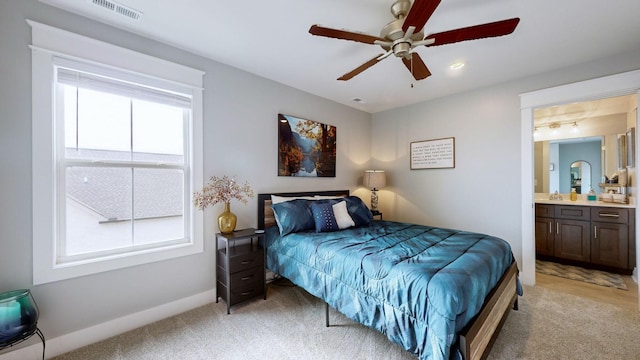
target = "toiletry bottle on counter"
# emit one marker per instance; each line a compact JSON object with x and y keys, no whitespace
{"x":591,"y":196}
{"x":573,"y":195}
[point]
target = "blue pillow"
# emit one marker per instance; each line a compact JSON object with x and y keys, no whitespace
{"x":293,"y":216}
{"x":359,"y":212}
{"x":325,"y":220}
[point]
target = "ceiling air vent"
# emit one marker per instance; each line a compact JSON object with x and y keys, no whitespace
{"x":118,"y":8}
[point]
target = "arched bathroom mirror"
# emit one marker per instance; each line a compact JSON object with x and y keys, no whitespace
{"x":580,"y":176}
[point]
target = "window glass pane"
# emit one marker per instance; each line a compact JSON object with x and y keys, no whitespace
{"x":157,"y":132}
{"x":102,"y":127}
{"x":104,"y":121}
{"x":98,"y":209}
{"x":158,"y":205}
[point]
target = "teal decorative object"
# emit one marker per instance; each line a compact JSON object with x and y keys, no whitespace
{"x":18,"y":318}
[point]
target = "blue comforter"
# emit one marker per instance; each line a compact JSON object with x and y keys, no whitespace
{"x":418,"y":285}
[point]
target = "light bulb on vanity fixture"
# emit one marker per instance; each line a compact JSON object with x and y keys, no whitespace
{"x":556,"y":128}
{"x":374,"y":179}
{"x":574,"y":128}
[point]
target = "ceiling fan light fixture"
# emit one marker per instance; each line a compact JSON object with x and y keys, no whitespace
{"x":401,"y":49}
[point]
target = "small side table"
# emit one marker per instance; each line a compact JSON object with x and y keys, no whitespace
{"x":240,"y":270}
{"x":377,"y":213}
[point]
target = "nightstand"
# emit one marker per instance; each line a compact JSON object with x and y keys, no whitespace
{"x":240,"y":270}
{"x":377,"y":213}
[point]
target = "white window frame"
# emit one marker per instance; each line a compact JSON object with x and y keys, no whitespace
{"x":49,"y":44}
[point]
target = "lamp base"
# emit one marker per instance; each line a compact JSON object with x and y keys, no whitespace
{"x":374,"y":200}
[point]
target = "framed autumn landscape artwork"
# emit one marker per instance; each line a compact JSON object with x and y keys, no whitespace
{"x":305,"y":147}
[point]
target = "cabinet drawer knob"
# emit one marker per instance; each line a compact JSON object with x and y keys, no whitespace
{"x":246,"y":278}
{"x":245,"y":262}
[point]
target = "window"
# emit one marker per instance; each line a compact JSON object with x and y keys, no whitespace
{"x":115,"y":160}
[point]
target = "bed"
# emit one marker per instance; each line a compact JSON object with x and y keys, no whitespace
{"x":438,"y":293}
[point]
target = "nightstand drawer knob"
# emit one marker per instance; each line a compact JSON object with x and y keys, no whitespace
{"x":246,"y":278}
{"x":245,"y":262}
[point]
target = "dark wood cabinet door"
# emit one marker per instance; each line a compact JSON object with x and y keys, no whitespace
{"x":610,"y":244}
{"x":544,"y":230}
{"x":572,"y":240}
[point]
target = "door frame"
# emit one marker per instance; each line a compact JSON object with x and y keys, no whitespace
{"x":626,"y":83}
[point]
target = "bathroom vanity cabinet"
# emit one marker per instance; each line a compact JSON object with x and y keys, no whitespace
{"x":590,"y":236}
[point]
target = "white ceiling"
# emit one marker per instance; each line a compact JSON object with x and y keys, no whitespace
{"x":270,"y":38}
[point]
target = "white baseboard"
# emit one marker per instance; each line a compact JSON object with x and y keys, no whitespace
{"x":90,"y":335}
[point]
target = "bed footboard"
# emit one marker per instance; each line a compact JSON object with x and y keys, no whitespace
{"x":477,"y":337}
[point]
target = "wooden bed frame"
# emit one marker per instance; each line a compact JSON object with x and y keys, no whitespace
{"x":476,"y":339}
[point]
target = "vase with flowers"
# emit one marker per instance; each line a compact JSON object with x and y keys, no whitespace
{"x":223,"y":190}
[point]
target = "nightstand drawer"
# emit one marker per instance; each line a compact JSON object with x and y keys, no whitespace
{"x":239,"y":261}
{"x":249,"y":276}
{"x":245,"y":292}
{"x":246,"y":261}
{"x":241,"y":278}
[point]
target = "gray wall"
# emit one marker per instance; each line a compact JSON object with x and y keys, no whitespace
{"x":483,"y":192}
{"x":240,"y":132}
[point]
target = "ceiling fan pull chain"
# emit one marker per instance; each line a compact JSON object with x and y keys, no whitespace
{"x":412,"y":70}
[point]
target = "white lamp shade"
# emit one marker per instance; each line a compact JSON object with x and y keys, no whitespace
{"x":374,"y":179}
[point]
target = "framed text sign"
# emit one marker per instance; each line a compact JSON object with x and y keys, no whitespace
{"x":433,"y":154}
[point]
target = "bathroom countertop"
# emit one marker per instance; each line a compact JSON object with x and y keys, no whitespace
{"x":582,"y":202}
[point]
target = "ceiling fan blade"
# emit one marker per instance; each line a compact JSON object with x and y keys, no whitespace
{"x":420,"y":12}
{"x":360,"y":68}
{"x":417,"y":67}
{"x":498,"y":28}
{"x":343,"y":34}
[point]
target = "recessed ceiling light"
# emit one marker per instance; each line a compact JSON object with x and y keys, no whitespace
{"x":457,"y":65}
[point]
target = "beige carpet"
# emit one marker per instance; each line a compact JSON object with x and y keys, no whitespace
{"x":597,"y":277}
{"x":290,"y":325}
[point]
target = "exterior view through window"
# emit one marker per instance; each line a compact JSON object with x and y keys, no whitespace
{"x":121,"y":168}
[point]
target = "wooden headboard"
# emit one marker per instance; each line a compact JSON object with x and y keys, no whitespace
{"x":265,"y":214}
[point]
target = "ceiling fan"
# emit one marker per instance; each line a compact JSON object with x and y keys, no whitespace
{"x":402,"y":36}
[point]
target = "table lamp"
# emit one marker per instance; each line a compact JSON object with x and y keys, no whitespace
{"x":374,"y":179}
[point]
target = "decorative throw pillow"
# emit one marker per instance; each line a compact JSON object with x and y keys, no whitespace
{"x":293,"y":216}
{"x":331,"y":216}
{"x":358,"y":211}
{"x":341,"y":213}
{"x":323,"y":217}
